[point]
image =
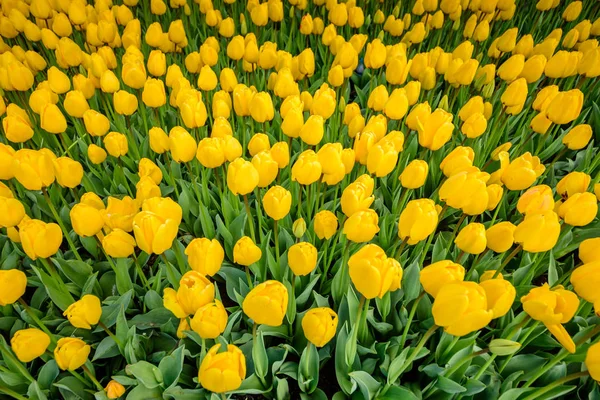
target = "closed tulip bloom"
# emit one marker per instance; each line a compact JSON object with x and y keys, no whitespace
{"x":319,"y":325}
{"x":511,"y":68}
{"x":472,"y":239}
{"x":414,"y":175}
{"x":68,"y":172}
{"x":114,"y":390}
{"x":12,"y":284}
{"x":325,"y":224}
{"x":461,"y":308}
{"x":306,"y":169}
{"x":210,"y":152}
{"x":119,"y":213}
{"x":466,"y":190}
{"x":267,"y":168}
{"x":118,"y":244}
{"x":223,"y":371}
{"x":242,"y":177}
{"x":585,"y":281}
{"x":33,"y":169}
{"x":29,"y":344}
{"x":277,"y":202}
{"x":312,"y":131}
{"x":146,"y":189}
{"x":356,"y":197}
{"x":96,"y":124}
{"x":533,"y":68}
{"x":125,"y":103}
{"x":86,"y":220}
{"x":154,"y":94}
{"x":474,"y":126}
{"x":52,"y":119}
{"x":375,"y":55}
{"x":572,"y":11}
{"x":154,"y":233}
{"x":246,"y":252}
{"x":17,"y":128}
{"x":266,"y":304}
{"x":302,"y":258}
{"x":182,"y":145}
{"x":195,"y":291}
{"x":565,"y":107}
{"x":371,"y":273}
{"x":116,"y":144}
{"x":280,"y":152}
{"x":536,"y":200}
{"x":522,"y":172}
{"x":538,"y":232}
{"x":382,"y":159}
{"x":439,"y":274}
{"x":579,"y":209}
{"x":259,"y":142}
{"x":397,"y":104}
{"x":378,"y":97}
{"x":40,"y":239}
{"x":553,"y":307}
{"x":59,"y":82}
{"x":324,"y":102}
{"x":589,"y":250}
{"x":210,"y":320}
{"x":578,"y":137}
{"x":76,"y":104}
{"x":417,"y":221}
{"x":436,"y":130}
{"x":12,"y":211}
{"x":205,"y":256}
{"x":592,"y":361}
{"x":459,"y":159}
{"x":85,"y":312}
{"x":71,"y":353}
{"x":362,"y":226}
{"x":500,"y":237}
{"x":572,"y":183}
{"x":96,"y":154}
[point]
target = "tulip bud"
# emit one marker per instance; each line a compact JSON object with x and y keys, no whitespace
{"x":267,"y":303}
{"x":504,"y":347}
{"x":246,"y":252}
{"x":299,"y":227}
{"x":277,"y":202}
{"x":114,"y":390}
{"x":302,"y":258}
{"x":85,"y":312}
{"x":29,"y":344}
{"x":118,"y":244}
{"x":210,"y":320}
{"x":12,"y":286}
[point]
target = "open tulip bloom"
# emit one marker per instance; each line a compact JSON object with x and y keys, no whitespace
{"x":323,"y":198}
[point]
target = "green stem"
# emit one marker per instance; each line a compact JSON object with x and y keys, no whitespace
{"x":538,"y":393}
{"x":275,"y":236}
{"x":62,"y":225}
{"x":418,"y":348}
{"x":250,"y":219}
{"x":109,"y":333}
{"x":411,"y":315}
{"x":92,"y":377}
{"x":248,"y":277}
{"x":11,"y":393}
{"x":506,"y":260}
{"x":140,"y":272}
{"x":37,"y":320}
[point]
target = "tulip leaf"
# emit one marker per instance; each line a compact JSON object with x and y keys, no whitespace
{"x":141,"y":392}
{"x":34,"y":392}
{"x":57,"y":292}
{"x":552,"y":273}
{"x":147,"y":374}
{"x":123,"y":279}
{"x":397,"y":393}
{"x":514,"y":394}
{"x":106,"y":349}
{"x":341,"y":367}
{"x":410,"y":282}
{"x":449,"y":386}
{"x":367,"y":385}
{"x":171,"y":367}
{"x":259,"y":356}
{"x":47,"y":374}
{"x":111,"y":312}
{"x":178,"y":393}
{"x":76,"y":271}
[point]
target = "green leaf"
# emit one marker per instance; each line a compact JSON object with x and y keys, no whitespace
{"x":259,"y":356}
{"x":141,"y":392}
{"x":71,"y":386}
{"x":410,"y":282}
{"x":106,"y":349}
{"x":474,"y":386}
{"x":76,"y":271}
{"x":398,"y":393}
{"x":514,"y":394}
{"x":396,"y":366}
{"x":449,"y":386}
{"x":171,"y":367}
{"x":308,"y":369}
{"x":34,"y":392}
{"x":177,"y":393}
{"x":552,"y":273}
{"x":147,"y":374}
{"x":111,"y":312}
{"x":123,"y":279}
{"x":367,"y":385}
{"x":57,"y":292}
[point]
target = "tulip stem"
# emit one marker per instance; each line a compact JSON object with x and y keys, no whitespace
{"x":545,"y":389}
{"x":250,"y":219}
{"x":275,"y":236}
{"x":92,"y":377}
{"x":37,"y":320}
{"x":418,"y":348}
{"x":506,"y":260}
{"x":475,"y":262}
{"x":140,"y":272}
{"x":411,"y":315}
{"x":223,"y":397}
{"x":109,"y":333}
{"x":11,"y":393}
{"x":62,"y":225}
{"x":248,"y":277}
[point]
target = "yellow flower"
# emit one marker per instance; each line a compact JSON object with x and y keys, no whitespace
{"x":461,"y":308}
{"x":302,"y":258}
{"x":325,"y":224}
{"x":362,"y":226}
{"x":86,"y":220}
{"x":472,"y":239}
{"x":319,"y":325}
{"x":242,"y":177}
{"x":195,"y":291}
{"x":417,"y":221}
{"x":439,"y":274}
{"x":29,"y":344}
{"x":114,"y":390}
{"x":500,"y":237}
{"x":500,"y":295}
{"x":266,"y":304}
{"x":210,"y":320}
{"x":118,"y":244}
{"x":71,"y":353}
{"x":85,"y":312}
{"x":40,"y":239}
{"x":205,"y":255}
{"x":246,"y":252}
{"x":222,"y":371}
{"x":277,"y":202}
{"x":12,"y":286}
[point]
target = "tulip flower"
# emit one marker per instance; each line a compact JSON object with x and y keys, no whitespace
{"x":210,"y":320}
{"x":302,"y":258}
{"x":12,"y":284}
{"x":222,"y":371}
{"x":439,"y":274}
{"x":205,"y":256}
{"x":319,"y":325}
{"x":29,"y":344}
{"x":267,"y":303}
{"x":461,"y":308}
{"x":71,"y":353}
{"x":195,"y":291}
{"x":371,"y":273}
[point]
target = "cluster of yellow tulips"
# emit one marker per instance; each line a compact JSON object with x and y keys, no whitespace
{"x":299,"y":199}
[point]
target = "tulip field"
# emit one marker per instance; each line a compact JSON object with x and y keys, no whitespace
{"x":299,"y":199}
